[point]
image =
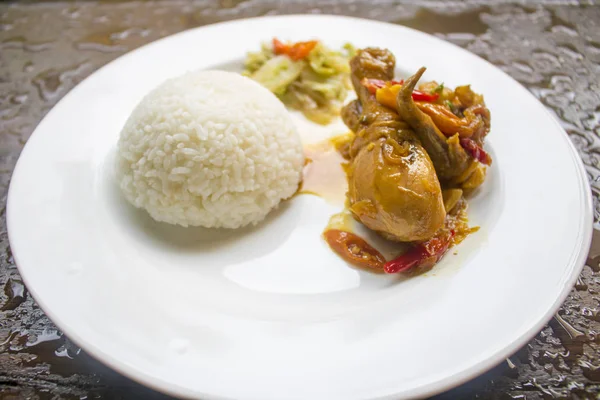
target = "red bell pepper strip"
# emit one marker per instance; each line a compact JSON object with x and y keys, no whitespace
{"x":373,"y":84}
{"x":296,"y":51}
{"x":417,"y":95}
{"x":300,"y":50}
{"x":424,"y":254}
{"x":279,"y":47}
{"x":476,"y":151}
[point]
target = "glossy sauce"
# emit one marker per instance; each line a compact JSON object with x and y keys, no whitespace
{"x":343,"y":221}
{"x":458,"y":221}
{"x":324,"y":174}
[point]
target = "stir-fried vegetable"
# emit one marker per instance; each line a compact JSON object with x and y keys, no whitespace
{"x":306,"y":76}
{"x":278,"y":73}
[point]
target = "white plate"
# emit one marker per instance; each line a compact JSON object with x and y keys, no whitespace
{"x":271,"y":312}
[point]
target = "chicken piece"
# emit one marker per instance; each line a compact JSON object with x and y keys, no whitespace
{"x":393,"y":187}
{"x":451,"y":161}
{"x":351,"y":115}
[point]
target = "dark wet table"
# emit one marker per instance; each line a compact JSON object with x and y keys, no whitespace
{"x":46,"y":48}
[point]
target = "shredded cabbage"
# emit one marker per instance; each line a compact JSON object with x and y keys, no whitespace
{"x":316,"y":85}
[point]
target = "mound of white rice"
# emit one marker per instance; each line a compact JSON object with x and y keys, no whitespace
{"x":209,"y":148}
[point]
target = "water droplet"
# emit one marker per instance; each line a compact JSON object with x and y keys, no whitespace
{"x":47,"y":335}
{"x":20,"y":43}
{"x":549,"y":392}
{"x":15,"y":291}
{"x":570,"y":51}
{"x":130,"y":32}
{"x":101,"y":41}
{"x":590,"y":313}
{"x":62,"y":352}
{"x":565,"y":30}
{"x":521,"y":66}
{"x":17,"y":98}
{"x":8,"y":339}
{"x":580,"y":284}
{"x":590,"y":371}
{"x":47,"y":83}
{"x":511,"y":365}
{"x":545,"y":62}
{"x":571,"y":331}
{"x":50,"y":82}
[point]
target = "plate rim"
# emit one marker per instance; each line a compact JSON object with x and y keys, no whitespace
{"x":577,"y":258}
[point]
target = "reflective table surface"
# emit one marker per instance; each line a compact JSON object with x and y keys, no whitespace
{"x":46,"y":48}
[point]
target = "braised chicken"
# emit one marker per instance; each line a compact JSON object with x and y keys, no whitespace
{"x":415,"y":153}
{"x":393,"y":186}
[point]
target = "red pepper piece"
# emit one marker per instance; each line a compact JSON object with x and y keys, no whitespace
{"x":296,"y":51}
{"x":425,"y":254}
{"x":354,"y":249}
{"x":417,"y":95}
{"x":279,"y":47}
{"x":373,"y":84}
{"x":476,"y":151}
{"x":300,"y":50}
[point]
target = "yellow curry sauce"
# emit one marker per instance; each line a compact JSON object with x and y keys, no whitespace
{"x":324,"y":172}
{"x":325,"y":175}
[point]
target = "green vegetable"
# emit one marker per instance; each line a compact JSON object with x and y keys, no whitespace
{"x":316,"y":85}
{"x":438,"y":89}
{"x":453,"y":108}
{"x":350,"y":50}
{"x":255,"y":60}
{"x":326,"y":62}
{"x":278,"y":73}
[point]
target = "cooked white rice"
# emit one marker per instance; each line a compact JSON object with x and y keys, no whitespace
{"x":209,"y":148}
